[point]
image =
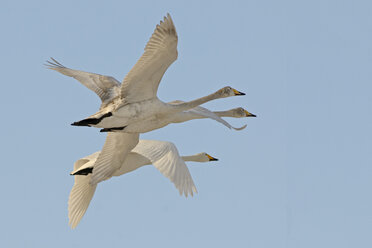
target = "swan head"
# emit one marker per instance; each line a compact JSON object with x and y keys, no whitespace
{"x":240,"y":112}
{"x":205,"y":157}
{"x":228,"y":91}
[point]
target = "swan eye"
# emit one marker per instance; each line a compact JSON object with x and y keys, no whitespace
{"x":240,"y":110}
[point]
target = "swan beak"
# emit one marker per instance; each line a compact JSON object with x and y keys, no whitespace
{"x":238,"y":93}
{"x":247,"y":114}
{"x":212,"y":158}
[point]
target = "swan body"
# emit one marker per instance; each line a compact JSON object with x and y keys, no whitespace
{"x":163,"y":155}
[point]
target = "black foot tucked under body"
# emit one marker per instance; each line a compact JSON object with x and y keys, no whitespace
{"x":111,"y":129}
{"x":91,"y":121}
{"x":83,"y":172}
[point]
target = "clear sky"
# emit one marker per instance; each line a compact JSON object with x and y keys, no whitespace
{"x":298,"y":176}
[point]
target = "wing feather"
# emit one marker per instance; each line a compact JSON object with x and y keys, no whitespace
{"x":142,"y":81}
{"x":80,"y":196}
{"x":105,"y":87}
{"x":165,"y":157}
{"x":114,"y":151}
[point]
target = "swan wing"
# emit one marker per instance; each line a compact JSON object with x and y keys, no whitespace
{"x":114,"y":151}
{"x":205,"y":113}
{"x":81,"y":194}
{"x":105,"y":87}
{"x":165,"y":157}
{"x":91,"y":157}
{"x":142,"y":81}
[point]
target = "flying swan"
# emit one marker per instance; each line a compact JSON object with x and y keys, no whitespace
{"x":138,"y":101}
{"x":107,"y":88}
{"x":163,"y":155}
{"x":134,"y":102}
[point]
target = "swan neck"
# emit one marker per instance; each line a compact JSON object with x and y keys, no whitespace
{"x":194,"y":158}
{"x":185,"y":116}
{"x":192,"y":104}
{"x":227,"y":113}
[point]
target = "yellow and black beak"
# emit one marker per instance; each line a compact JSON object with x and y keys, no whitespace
{"x":238,"y":93}
{"x":247,"y":114}
{"x":212,"y":158}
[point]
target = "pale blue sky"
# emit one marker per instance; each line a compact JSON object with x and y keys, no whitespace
{"x":299,"y":176}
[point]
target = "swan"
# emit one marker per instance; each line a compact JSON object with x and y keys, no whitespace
{"x":137,"y":101}
{"x":117,"y":145}
{"x":163,"y":155}
{"x":133,"y":105}
{"x":107,"y":88}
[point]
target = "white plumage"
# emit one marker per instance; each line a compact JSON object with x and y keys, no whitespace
{"x":131,"y":108}
{"x":138,"y":101}
{"x":163,"y":155}
{"x":118,"y":144}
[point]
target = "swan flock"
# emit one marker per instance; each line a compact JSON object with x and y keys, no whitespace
{"x":131,"y":108}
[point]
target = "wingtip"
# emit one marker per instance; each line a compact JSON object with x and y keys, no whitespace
{"x":54,"y":64}
{"x":48,"y":66}
{"x":168,"y":18}
{"x":195,"y":190}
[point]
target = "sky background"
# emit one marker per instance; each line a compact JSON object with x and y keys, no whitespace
{"x":298,"y":176}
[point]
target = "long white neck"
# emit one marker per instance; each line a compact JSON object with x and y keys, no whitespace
{"x":194,"y":158}
{"x":192,"y":104}
{"x":227,"y":113}
{"x":186,"y":116}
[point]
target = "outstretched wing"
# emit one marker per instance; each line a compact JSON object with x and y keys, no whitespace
{"x":165,"y":157}
{"x":197,"y":113}
{"x":142,"y":81}
{"x":81,"y":194}
{"x":105,"y":87}
{"x":114,"y":151}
